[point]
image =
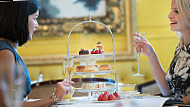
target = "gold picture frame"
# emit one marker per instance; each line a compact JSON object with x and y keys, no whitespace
{"x":126,"y":53}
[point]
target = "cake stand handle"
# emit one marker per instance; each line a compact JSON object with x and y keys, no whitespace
{"x":89,"y":95}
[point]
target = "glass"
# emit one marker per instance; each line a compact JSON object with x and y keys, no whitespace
{"x":68,"y":67}
{"x":139,"y":55}
{"x":69,"y":95}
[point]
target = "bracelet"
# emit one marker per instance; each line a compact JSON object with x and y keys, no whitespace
{"x":54,"y":98}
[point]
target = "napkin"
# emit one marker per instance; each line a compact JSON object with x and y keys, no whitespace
{"x":145,"y":102}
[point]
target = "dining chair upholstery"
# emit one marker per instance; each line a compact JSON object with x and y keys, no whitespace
{"x":43,"y":89}
{"x":150,"y":87}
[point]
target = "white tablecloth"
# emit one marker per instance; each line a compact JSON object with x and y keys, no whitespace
{"x":145,"y":101}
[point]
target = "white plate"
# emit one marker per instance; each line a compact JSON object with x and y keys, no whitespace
{"x":66,"y":102}
{"x":93,"y":73}
{"x":109,"y":101}
{"x":93,"y":90}
{"x":93,"y":56}
{"x":128,"y":92}
{"x":140,"y":95}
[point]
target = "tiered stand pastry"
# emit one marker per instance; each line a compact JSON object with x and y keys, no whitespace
{"x":94,"y":57}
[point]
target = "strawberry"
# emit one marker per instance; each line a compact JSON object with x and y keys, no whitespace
{"x":105,"y":97}
{"x":100,"y":51}
{"x":116,"y":95}
{"x":96,"y":52}
{"x":92,"y":52}
{"x":107,"y":93}
{"x":111,"y":97}
{"x":100,"y":97}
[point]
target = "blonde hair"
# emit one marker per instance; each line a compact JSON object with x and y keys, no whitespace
{"x":184,"y":9}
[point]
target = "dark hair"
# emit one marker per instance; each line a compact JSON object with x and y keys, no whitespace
{"x":14,"y":19}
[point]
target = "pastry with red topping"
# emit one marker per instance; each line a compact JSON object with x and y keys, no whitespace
{"x":95,"y":51}
{"x":100,"y":47}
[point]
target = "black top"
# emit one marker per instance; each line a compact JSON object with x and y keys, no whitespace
{"x":178,"y":76}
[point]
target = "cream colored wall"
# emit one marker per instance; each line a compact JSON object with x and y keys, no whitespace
{"x":151,"y":18}
{"x":58,"y":45}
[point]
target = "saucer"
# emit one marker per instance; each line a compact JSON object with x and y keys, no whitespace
{"x":67,"y":102}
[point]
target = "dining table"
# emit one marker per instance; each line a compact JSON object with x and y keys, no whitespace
{"x":140,"y":100}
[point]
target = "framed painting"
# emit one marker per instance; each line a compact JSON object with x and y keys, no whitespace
{"x":58,"y":17}
{"x":63,"y":8}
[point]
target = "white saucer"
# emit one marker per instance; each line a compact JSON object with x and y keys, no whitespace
{"x":109,"y":101}
{"x":66,"y":102}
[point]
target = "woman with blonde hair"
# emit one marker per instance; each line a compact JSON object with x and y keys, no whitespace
{"x":176,"y":82}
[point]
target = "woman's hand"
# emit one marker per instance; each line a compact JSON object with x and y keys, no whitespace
{"x":62,"y":89}
{"x":142,"y":44}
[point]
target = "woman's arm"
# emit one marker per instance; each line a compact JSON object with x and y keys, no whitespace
{"x":7,"y":65}
{"x":159,"y":74}
{"x":62,"y":88}
{"x":2,"y":102}
{"x":158,"y":71}
{"x":186,"y":99}
{"x":7,"y":69}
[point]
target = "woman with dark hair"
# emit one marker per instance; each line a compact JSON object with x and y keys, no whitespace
{"x":18,"y":21}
